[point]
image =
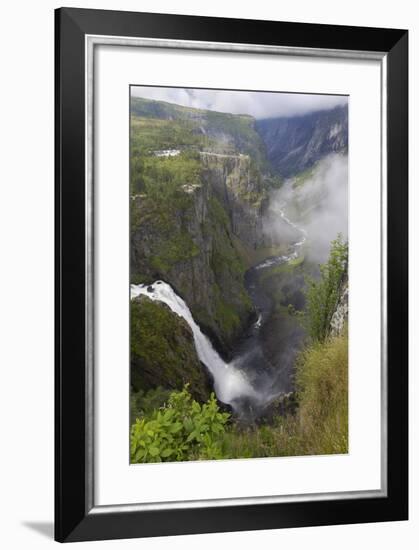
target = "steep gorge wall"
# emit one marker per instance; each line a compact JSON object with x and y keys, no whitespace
{"x":241,"y":192}
{"x":294,"y":144}
{"x":197,"y":246}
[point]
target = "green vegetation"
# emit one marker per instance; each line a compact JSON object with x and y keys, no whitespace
{"x":285,"y":284}
{"x":322,"y":388}
{"x":159,"y":109}
{"x":253,"y":256}
{"x":227,"y":266}
{"x":172,"y":425}
{"x":144,"y":403}
{"x":166,"y":125}
{"x":323,"y":295}
{"x":320,"y":425}
{"x":301,"y":178}
{"x":157,"y":176}
{"x":153,"y":134}
{"x":185,"y":210}
{"x":163,"y":351}
{"x":180,"y":217}
{"x":181,"y":430}
{"x":283,"y":269}
{"x":296,"y":261}
{"x":273,"y":181}
{"x":259,"y":193}
{"x":164,"y":184}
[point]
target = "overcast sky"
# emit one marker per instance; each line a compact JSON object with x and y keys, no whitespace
{"x":257,"y":104}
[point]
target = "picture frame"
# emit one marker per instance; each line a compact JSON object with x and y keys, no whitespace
{"x":78,"y":31}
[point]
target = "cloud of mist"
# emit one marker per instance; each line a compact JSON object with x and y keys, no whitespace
{"x":257,"y":104}
{"x":319,"y":206}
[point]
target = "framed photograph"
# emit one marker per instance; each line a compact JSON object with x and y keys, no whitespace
{"x":231,"y":274}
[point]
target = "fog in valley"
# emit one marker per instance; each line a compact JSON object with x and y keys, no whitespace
{"x":317,"y":203}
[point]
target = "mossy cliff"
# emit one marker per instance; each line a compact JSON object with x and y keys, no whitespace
{"x":163,"y":351}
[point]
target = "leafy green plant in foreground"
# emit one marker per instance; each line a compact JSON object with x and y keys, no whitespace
{"x":181,"y":430}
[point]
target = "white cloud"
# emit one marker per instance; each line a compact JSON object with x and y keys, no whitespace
{"x":257,"y":104}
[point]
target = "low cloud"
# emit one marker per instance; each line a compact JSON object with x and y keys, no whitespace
{"x":257,"y":104}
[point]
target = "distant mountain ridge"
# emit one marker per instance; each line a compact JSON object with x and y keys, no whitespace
{"x":294,"y":144}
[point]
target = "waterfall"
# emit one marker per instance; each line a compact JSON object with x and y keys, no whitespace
{"x":229,"y":383}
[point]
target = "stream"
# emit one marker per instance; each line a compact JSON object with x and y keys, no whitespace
{"x":249,"y":381}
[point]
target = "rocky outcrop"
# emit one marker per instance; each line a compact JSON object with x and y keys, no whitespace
{"x":294,"y":144}
{"x":163,"y":351}
{"x":340,"y":316}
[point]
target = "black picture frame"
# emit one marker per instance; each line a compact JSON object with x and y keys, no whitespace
{"x":75,"y":518}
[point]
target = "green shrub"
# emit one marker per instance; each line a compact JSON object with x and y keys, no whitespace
{"x":323,"y":295}
{"x":320,"y":425}
{"x":143,"y":403}
{"x":182,"y":430}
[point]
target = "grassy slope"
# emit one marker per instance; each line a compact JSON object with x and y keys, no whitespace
{"x":320,"y":425}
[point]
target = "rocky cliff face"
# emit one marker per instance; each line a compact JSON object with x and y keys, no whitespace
{"x":294,"y":144}
{"x":198,"y":247}
{"x":241,"y":192}
{"x":340,"y":316}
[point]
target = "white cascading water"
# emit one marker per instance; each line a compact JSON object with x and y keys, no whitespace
{"x":229,"y":383}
